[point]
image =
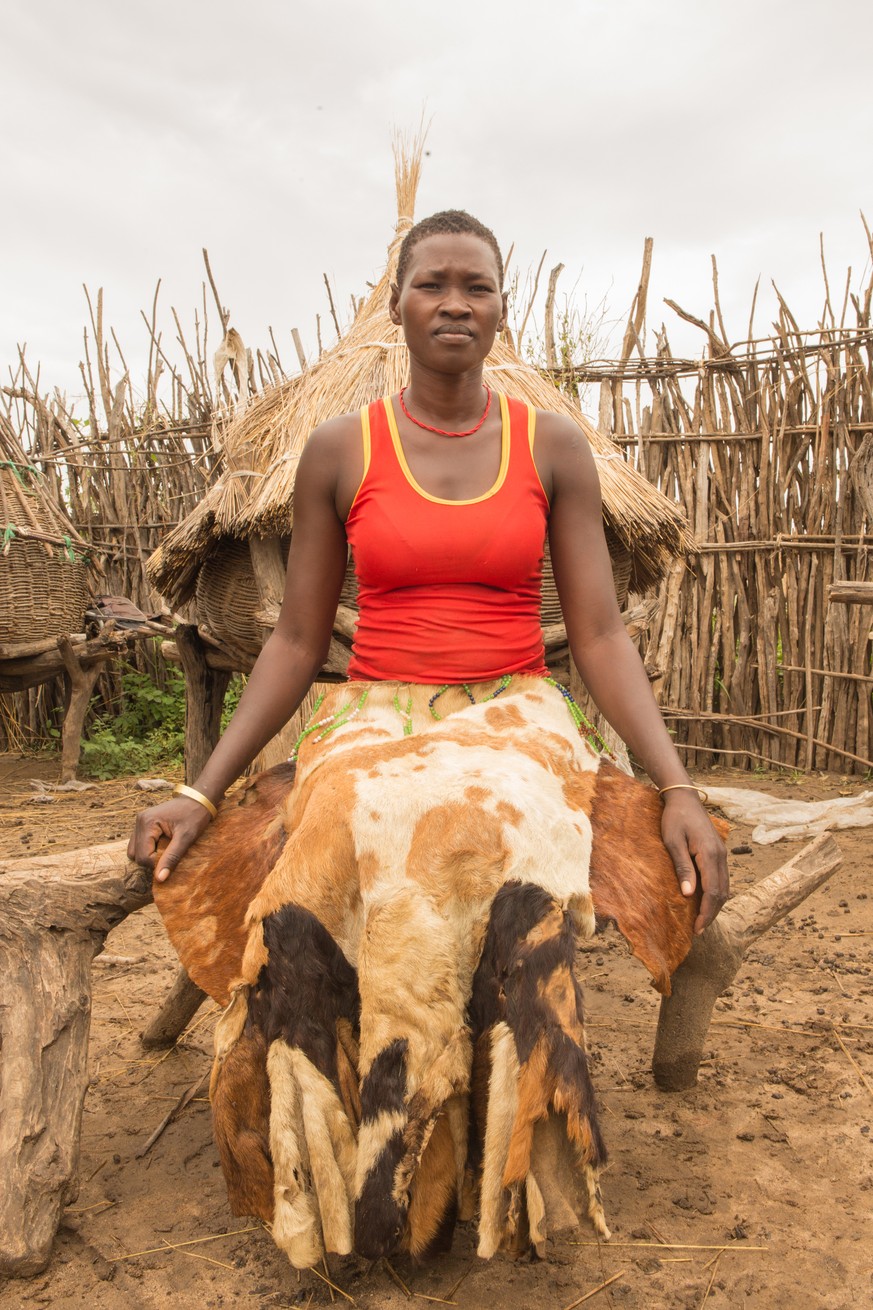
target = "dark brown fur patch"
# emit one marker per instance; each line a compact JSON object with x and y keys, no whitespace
{"x":380,"y":1218}
{"x":305,"y":989}
{"x":384,"y":1087}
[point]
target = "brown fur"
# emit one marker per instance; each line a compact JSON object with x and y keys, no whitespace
{"x":241,"y":1126}
{"x":633,"y":880}
{"x":457,"y":851}
{"x":204,"y":902}
{"x":433,"y":1199}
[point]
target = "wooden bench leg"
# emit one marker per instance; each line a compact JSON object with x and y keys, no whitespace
{"x":715,"y":958}
{"x":183,"y":1001}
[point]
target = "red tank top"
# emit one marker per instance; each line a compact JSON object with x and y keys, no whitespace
{"x":448,"y":590}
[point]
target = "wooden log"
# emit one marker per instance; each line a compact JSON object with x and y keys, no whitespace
{"x":24,"y":650}
{"x":217,"y":660}
{"x":717,"y":954}
{"x":54,"y":917}
{"x":850,"y":593}
{"x":30,"y":671}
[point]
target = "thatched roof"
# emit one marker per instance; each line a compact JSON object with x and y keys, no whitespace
{"x":263,"y":442}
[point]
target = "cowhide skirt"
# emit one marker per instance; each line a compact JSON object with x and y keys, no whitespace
{"x":393,"y":936}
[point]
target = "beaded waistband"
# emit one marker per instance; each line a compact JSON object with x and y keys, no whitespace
{"x":318,"y":729}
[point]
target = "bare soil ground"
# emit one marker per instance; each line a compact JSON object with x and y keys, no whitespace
{"x":753,"y":1190}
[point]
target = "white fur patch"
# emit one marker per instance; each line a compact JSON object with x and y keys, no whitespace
{"x":296,"y":1226}
{"x":502,"y":1107}
{"x":332,"y":1152}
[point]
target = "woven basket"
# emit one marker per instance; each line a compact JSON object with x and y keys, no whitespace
{"x":43,"y":591}
{"x":227,"y":596}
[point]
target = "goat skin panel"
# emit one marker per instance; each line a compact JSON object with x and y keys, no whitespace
{"x":397,"y":945}
{"x":204,"y":903}
{"x":633,"y":881}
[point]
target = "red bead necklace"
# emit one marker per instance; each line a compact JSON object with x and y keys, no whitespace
{"x":442,"y":431}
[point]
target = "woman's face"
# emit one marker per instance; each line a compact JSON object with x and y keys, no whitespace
{"x":450,"y":305}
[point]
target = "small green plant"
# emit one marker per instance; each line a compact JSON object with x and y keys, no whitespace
{"x":146,"y":733}
{"x":235,"y":689}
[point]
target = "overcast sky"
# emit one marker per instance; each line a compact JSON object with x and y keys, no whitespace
{"x":134,"y":134}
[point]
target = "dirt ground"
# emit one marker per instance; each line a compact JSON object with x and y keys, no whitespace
{"x":753,"y":1190}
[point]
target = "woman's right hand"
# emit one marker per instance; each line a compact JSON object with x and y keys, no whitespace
{"x":178,"y":822}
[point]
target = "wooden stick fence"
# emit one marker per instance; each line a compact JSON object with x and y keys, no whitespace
{"x":764,"y":443}
{"x":770,"y":453}
{"x":126,"y":473}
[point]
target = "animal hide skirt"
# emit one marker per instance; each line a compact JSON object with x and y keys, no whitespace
{"x":393,"y":936}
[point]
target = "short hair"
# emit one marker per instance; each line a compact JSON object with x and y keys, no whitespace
{"x":448,"y":222}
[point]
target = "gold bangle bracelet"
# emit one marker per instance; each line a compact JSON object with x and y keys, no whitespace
{"x":685,"y":786}
{"x":181,"y":789}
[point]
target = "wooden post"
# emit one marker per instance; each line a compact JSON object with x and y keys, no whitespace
{"x":204,"y":700}
{"x":80,"y":683}
{"x":182,"y":1003}
{"x":54,"y":917}
{"x":268,"y":564}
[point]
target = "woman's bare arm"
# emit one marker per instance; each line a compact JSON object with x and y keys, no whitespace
{"x":291,"y":657}
{"x":608,"y":662}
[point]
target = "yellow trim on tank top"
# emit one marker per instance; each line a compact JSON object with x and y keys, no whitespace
{"x":365,"y":435}
{"x":531,"y":437}
{"x":438,"y":500}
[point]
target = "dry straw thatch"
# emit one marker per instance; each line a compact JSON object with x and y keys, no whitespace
{"x":263,"y":442}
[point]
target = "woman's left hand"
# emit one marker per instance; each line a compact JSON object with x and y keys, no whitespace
{"x":697,"y":851}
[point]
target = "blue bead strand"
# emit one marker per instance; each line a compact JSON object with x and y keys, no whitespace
{"x":583,"y":725}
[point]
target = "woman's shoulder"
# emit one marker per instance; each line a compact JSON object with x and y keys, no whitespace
{"x":559,"y":431}
{"x":331,"y":448}
{"x":561,"y":451}
{"x":334,"y":436}
{"x":338,"y":428}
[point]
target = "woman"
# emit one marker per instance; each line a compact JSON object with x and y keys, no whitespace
{"x":445,"y":494}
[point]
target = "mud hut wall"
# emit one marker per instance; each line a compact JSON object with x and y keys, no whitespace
{"x":751,"y":664}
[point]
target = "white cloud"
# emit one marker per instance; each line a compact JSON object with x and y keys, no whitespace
{"x":137,"y":134}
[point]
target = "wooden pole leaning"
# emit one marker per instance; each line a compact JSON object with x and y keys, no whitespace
{"x":716,"y":955}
